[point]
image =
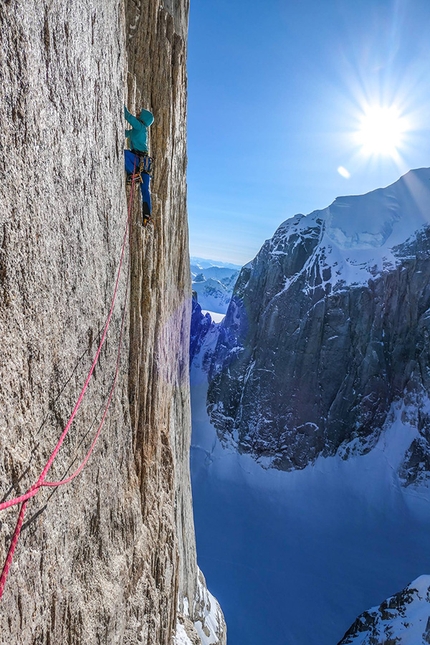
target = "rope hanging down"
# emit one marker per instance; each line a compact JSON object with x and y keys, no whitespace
{"x":33,"y":490}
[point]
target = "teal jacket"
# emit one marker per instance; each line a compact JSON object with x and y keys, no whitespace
{"x":138,"y":135}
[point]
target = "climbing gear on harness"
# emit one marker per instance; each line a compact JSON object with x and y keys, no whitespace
{"x":133,"y":178}
{"x":145,"y":164}
{"x":139,"y":166}
{"x":145,"y":161}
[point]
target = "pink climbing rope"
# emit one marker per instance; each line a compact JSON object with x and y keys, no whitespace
{"x":108,"y":402}
{"x":33,"y":490}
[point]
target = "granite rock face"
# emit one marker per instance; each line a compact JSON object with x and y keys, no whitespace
{"x":403,"y":618}
{"x":109,"y":558}
{"x":328,"y":329}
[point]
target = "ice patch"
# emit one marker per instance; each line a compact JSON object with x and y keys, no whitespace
{"x":181,"y":638}
{"x":365,"y":221}
{"x":209,"y":627}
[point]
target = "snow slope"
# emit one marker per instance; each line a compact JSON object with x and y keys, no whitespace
{"x":402,"y":619}
{"x":359,"y":233}
{"x":295,"y":557}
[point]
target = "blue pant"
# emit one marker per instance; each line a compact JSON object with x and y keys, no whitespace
{"x":132,"y":163}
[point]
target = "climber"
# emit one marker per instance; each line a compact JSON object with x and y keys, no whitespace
{"x":137,"y":161}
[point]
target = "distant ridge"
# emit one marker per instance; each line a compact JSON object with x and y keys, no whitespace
{"x":204,"y":263}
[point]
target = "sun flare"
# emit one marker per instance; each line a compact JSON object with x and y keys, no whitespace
{"x":381,"y":131}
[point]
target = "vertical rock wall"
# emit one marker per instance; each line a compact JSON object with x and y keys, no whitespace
{"x":156,"y":33}
{"x":109,"y":557}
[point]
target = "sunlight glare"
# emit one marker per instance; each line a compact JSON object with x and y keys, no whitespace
{"x":381,"y":131}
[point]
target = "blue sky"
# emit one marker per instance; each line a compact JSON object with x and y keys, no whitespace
{"x":277,"y":93}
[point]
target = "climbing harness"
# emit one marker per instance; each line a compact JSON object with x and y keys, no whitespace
{"x":41,"y":482}
{"x":141,"y":174}
{"x":145,"y":161}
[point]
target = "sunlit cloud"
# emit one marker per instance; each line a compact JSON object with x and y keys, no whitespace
{"x":343,"y":172}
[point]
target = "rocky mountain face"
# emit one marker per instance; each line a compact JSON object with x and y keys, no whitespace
{"x":110,"y":557}
{"x":403,"y":619}
{"x":327,"y":334}
{"x":200,"y":325}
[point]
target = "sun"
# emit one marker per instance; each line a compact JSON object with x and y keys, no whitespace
{"x":381,"y":131}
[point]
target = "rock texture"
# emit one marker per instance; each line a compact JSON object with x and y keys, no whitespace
{"x":328,"y":329}
{"x":403,"y":619}
{"x":109,"y":558}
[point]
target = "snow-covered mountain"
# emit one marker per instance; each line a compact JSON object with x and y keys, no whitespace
{"x":213,"y":283}
{"x":204,"y":263}
{"x":402,"y":619}
{"x":311,"y":494}
{"x":327,"y":333}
